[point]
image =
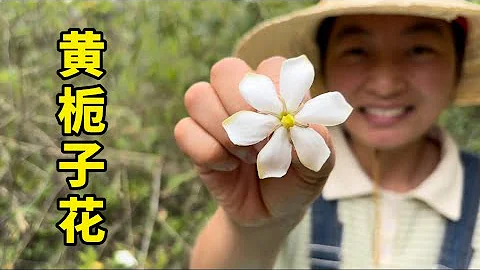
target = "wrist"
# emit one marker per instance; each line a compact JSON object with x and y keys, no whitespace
{"x":280,"y":226}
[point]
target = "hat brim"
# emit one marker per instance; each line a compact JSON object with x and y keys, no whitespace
{"x":294,"y":34}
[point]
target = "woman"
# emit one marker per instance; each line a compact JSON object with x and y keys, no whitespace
{"x":399,"y":194}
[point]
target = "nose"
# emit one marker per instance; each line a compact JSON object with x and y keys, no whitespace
{"x":385,"y":80}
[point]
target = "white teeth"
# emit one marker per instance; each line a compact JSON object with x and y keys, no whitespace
{"x":386,"y":112}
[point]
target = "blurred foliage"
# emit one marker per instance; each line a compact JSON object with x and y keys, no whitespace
{"x":156,"y":204}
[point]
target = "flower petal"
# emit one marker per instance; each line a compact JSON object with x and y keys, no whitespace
{"x":259,"y":91}
{"x":247,"y":128}
{"x":275,"y":157}
{"x":296,"y":78}
{"x":328,"y":109}
{"x":310,"y":147}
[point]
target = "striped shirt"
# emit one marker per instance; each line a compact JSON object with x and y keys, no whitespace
{"x":413,"y":223}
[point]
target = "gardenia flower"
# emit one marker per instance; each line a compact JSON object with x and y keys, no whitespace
{"x":125,"y":258}
{"x":286,"y":117}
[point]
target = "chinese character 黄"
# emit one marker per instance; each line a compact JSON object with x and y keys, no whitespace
{"x":81,"y":53}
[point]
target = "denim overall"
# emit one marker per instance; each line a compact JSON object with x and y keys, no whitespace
{"x":456,"y":251}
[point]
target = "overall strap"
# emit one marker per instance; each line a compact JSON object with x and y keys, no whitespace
{"x":326,"y":235}
{"x":457,"y":251}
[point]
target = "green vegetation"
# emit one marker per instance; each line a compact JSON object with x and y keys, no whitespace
{"x":156,"y":49}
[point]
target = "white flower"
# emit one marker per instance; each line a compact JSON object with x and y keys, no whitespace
{"x":125,"y":258}
{"x":286,"y":117}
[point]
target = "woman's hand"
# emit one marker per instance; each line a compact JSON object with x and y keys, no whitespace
{"x":229,"y":171}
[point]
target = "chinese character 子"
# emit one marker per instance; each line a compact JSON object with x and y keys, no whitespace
{"x":83,"y":218}
{"x":81,"y":53}
{"x":85,"y":106}
{"x":83,"y":163}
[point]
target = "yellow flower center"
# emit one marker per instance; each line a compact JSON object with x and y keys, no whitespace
{"x":287,"y":120}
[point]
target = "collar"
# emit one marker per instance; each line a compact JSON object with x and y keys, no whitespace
{"x":442,"y":190}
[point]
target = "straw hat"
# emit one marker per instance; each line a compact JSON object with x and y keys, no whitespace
{"x":294,"y":34}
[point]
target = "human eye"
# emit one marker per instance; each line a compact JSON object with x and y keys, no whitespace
{"x":355,"y":51}
{"x":421,"y":50}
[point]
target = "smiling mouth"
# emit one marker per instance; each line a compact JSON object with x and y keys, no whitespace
{"x":385,"y":116}
{"x":386,"y":112}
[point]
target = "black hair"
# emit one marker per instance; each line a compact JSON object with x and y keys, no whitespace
{"x":459,"y":36}
{"x":323,"y":36}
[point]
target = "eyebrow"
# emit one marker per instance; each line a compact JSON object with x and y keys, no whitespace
{"x":351,"y":30}
{"x":417,"y":28}
{"x":425,"y":27}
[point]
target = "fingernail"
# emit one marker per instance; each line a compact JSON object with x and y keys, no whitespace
{"x":225,"y":167}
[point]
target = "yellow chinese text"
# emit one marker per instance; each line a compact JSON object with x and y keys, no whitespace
{"x":81,"y":53}
{"x":83,"y":163}
{"x":82,"y":109}
{"x":82,"y":219}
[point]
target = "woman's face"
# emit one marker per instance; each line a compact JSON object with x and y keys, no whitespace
{"x":398,"y":72}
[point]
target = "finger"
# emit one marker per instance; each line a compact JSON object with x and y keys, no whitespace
{"x":225,"y":77}
{"x":311,"y":177}
{"x":271,"y":68}
{"x":205,"y":108}
{"x":300,"y":186}
{"x":202,"y":148}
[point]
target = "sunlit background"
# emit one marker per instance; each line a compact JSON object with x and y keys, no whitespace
{"x":156,"y":204}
